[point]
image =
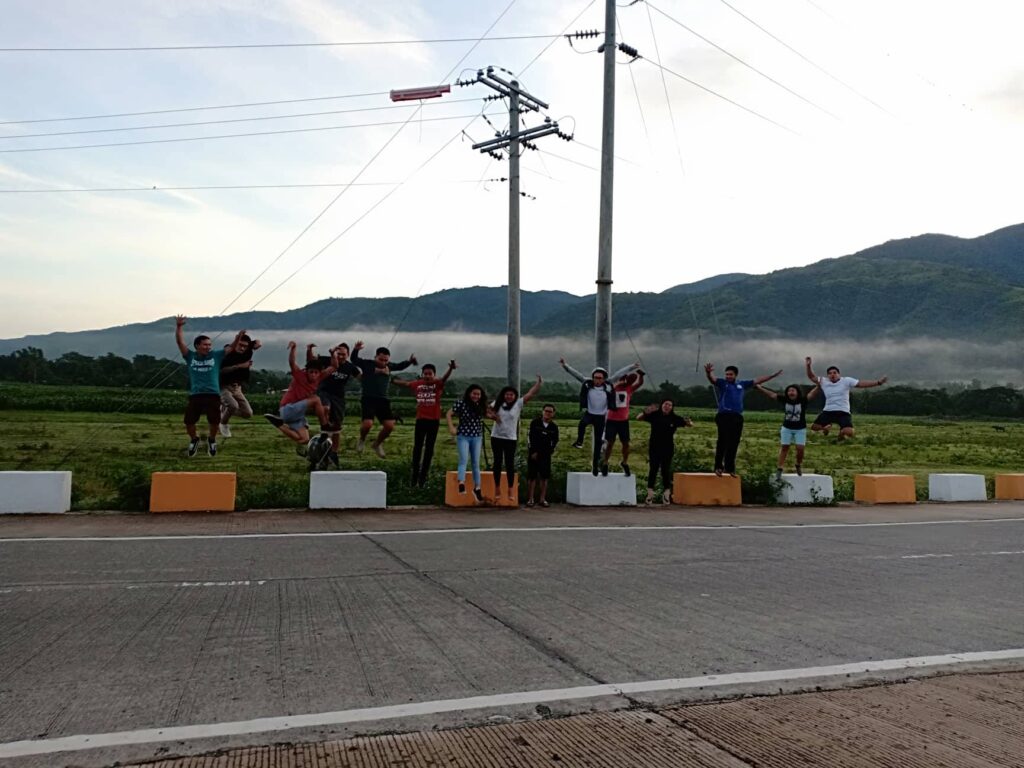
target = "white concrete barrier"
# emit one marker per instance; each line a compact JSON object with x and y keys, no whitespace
{"x":39,"y":492}
{"x":583,"y":489}
{"x":806,"y":489}
{"x":348,"y":490}
{"x":955,"y":487}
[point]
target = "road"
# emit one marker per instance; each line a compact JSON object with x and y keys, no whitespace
{"x":326,"y":625}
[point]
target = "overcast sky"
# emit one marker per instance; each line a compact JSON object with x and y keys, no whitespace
{"x":898,"y":118}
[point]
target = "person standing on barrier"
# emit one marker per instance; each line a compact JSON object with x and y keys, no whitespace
{"x":505,"y":433}
{"x":617,"y":423}
{"x":664,"y":423}
{"x":794,"y":423}
{"x":729,"y":419}
{"x":234,"y":372}
{"x":597,"y":397}
{"x":469,"y":436}
{"x":540,"y":445}
{"x":428,"y":389}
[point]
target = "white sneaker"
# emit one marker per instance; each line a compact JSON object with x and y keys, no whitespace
{"x":360,"y":444}
{"x":225,"y":430}
{"x":378,"y":449}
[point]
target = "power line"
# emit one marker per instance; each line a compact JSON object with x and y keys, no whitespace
{"x":240,"y":46}
{"x":817,"y":66}
{"x":636,"y":91}
{"x":156,"y":188}
{"x":196,"y":109}
{"x":664,"y":85}
{"x":567,"y":159}
{"x":564,"y":29}
{"x":749,"y":66}
{"x":236,"y":135}
{"x":722,"y":97}
{"x":232,"y":120}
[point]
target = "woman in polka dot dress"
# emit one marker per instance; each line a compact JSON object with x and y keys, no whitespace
{"x":469,"y":436}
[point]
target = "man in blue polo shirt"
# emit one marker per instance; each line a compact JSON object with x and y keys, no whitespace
{"x":729,"y":393}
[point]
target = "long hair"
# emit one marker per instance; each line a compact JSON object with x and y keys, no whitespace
{"x":480,"y":407}
{"x":499,"y":401}
{"x":801,"y":394}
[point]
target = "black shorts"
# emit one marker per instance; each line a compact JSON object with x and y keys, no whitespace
{"x":539,"y":468}
{"x":202,"y":404}
{"x":337,"y":410}
{"x":377,"y":408}
{"x":843,"y":419}
{"x":613,"y":429}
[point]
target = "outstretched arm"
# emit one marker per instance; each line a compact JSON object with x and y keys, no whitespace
{"x":403,"y":382}
{"x":623,"y":371}
{"x":532,"y":391}
{"x":179,"y":334}
{"x":571,"y":371}
{"x":648,"y":410}
{"x":768,"y":392}
{"x":868,"y":384}
{"x":762,"y":379}
{"x":451,"y":367}
{"x":709,"y":371}
{"x":640,"y":380}
{"x":810,"y":373}
{"x":815,"y":391}
{"x":291,"y":358}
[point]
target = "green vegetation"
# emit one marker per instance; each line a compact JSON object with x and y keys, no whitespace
{"x":113,"y":454}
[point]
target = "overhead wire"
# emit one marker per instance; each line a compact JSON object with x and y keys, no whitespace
{"x":636,"y":90}
{"x":159,"y":188}
{"x":664,"y":85}
{"x":552,"y":42}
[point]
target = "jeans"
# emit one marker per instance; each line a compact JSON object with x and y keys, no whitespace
{"x":660,"y":459}
{"x":424,"y":437}
{"x":730,"y":429}
{"x":504,"y":454}
{"x":469,"y":448}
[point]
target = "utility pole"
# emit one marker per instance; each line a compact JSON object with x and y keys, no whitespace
{"x":603,"y":314}
{"x":513,"y":141}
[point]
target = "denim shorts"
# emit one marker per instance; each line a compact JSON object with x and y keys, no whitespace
{"x":294,"y":414}
{"x":793,"y":436}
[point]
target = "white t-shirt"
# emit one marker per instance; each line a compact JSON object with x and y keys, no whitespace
{"x":837,"y":396}
{"x":508,"y":427}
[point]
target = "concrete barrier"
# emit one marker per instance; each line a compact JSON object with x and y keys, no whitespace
{"x":1010,"y":487}
{"x":452,"y":497}
{"x":884,"y":489}
{"x":955,"y":487}
{"x":35,"y":492}
{"x":585,"y":490}
{"x":806,"y":489}
{"x":192,"y":492}
{"x":348,"y":490}
{"x":706,"y":489}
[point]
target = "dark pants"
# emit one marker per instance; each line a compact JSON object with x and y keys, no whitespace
{"x":660,"y":460}
{"x":597,"y":422}
{"x":730,"y":429}
{"x":424,"y":437}
{"x":581,"y":428}
{"x":504,"y":454}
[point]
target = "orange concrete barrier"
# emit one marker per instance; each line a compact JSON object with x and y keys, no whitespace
{"x":706,"y":489}
{"x":1009,"y":486}
{"x":884,"y":489}
{"x":452,"y":497}
{"x":192,"y":492}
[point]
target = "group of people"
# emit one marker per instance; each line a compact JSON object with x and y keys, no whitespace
{"x":216,"y":390}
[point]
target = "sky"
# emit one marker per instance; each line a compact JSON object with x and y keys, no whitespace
{"x":869,"y":121}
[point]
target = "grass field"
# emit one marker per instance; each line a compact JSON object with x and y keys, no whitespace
{"x":113,"y":455}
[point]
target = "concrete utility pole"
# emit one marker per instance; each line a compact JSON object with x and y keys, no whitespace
{"x":603,"y":314}
{"x":512,"y":141}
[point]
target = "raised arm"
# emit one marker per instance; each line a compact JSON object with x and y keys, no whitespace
{"x":451,"y":367}
{"x":646,"y":411}
{"x":234,"y":342}
{"x":402,"y":365}
{"x":291,"y":358}
{"x":815,"y":391}
{"x":623,"y":371}
{"x":709,"y":371}
{"x":868,"y":384}
{"x":762,"y":379}
{"x":640,"y":379}
{"x":311,"y":353}
{"x":532,"y":391}
{"x":571,"y":371}
{"x":355,"y":350}
{"x":179,"y":334}
{"x":767,"y":392}
{"x":810,"y":373}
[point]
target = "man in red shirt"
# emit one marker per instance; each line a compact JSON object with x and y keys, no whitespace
{"x":427,"y":389}
{"x":300,"y":398}
{"x":617,"y":423}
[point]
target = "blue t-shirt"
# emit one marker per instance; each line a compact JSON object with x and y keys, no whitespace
{"x":730,"y":395}
{"x":204,"y":372}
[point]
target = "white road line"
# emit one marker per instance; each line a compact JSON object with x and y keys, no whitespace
{"x":535,"y":529}
{"x":368,"y":714}
{"x":962,"y":554}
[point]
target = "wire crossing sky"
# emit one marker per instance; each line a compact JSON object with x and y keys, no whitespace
{"x":791,"y":132}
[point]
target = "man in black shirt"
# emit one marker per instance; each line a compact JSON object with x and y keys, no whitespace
{"x":331,"y":391}
{"x":234,"y":372}
{"x":540,"y":444}
{"x":664,"y":423}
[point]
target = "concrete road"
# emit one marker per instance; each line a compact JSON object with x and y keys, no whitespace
{"x":136,"y":625}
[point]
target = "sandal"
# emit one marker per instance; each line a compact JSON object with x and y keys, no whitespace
{"x":544,"y":504}
{"x":529,"y":502}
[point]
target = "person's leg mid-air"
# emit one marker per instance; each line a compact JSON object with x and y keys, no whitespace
{"x":598,"y":424}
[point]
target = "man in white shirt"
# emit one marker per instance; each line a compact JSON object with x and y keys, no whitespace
{"x":836,"y":389}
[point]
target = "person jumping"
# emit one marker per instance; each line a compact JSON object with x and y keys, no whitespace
{"x":375,"y":401}
{"x":836,"y":389}
{"x":794,"y":423}
{"x":597,"y":397}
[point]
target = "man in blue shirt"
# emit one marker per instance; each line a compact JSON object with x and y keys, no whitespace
{"x":204,"y":363}
{"x":729,"y":393}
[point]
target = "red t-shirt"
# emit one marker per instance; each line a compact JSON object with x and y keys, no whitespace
{"x":428,"y":398}
{"x":303,"y":386}
{"x":623,"y":396}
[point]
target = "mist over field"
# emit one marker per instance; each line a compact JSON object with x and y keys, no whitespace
{"x":666,"y":355}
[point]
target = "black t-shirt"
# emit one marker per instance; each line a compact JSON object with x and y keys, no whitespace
{"x":794,"y":414}
{"x":663,"y":427}
{"x":239,"y":375}
{"x":336,"y":383}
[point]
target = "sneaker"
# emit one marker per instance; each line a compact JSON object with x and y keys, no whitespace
{"x":799,"y":470}
{"x":544,"y":503}
{"x":625,"y":468}
{"x":718,"y":472}
{"x":360,"y":444}
{"x":462,"y":488}
{"x":666,"y":497}
{"x":577,"y":444}
{"x":211,"y":447}
{"x":193,"y":446}
{"x":604,"y":470}
{"x":595,"y":469}
{"x":378,"y":449}
{"x":478,"y":494}
{"x":529,"y":502}
{"x":274,"y":419}
{"x":733,"y":474}
{"x":301,"y":449}
{"x":224,"y":429}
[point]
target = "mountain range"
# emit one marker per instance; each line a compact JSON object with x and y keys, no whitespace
{"x":930,"y":285}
